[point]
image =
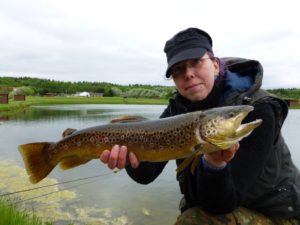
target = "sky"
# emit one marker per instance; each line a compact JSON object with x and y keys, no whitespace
{"x":122,"y":41}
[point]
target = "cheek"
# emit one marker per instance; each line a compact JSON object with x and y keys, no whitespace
{"x":179,"y":84}
{"x":209,"y":81}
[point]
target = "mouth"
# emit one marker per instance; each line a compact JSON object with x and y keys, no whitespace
{"x":193,"y":85}
{"x":246,"y":128}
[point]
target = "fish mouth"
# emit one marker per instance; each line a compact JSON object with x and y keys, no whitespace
{"x":245,"y":129}
{"x":241,"y":132}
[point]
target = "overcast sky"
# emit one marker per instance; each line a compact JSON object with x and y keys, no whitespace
{"x":121,"y":41}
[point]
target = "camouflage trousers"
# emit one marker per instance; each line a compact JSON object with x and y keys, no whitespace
{"x":240,"y":216}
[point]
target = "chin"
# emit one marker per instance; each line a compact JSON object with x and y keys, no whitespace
{"x":197,"y":97}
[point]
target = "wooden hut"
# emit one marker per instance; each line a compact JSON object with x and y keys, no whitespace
{"x":19,"y":97}
{"x":292,"y":102}
{"x":3,"y":98}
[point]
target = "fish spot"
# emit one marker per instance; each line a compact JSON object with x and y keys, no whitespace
{"x":66,"y":147}
{"x":78,"y":143}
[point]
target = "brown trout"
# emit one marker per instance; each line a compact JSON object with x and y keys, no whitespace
{"x":184,"y":136}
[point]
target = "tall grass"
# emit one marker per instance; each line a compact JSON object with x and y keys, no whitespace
{"x":10,"y":215}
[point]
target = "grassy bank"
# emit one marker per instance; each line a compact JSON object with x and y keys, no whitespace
{"x":33,"y":100}
{"x":15,"y":106}
{"x":10,"y":215}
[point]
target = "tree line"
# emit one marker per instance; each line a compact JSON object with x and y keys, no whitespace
{"x":291,"y":93}
{"x":37,"y":86}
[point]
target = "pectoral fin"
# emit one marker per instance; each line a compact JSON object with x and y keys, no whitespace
{"x":193,"y":158}
{"x":196,"y":160}
{"x":72,"y":162}
{"x":186,"y":162}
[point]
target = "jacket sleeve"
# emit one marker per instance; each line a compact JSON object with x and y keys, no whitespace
{"x":148,"y":171}
{"x":223,"y":191}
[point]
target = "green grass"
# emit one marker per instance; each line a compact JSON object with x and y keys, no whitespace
{"x":34,"y":100}
{"x":10,"y":215}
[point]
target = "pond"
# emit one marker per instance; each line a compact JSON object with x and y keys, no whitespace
{"x":100,"y":196}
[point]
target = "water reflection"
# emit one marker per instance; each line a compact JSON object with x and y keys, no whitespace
{"x":86,"y":112}
{"x":113,"y":199}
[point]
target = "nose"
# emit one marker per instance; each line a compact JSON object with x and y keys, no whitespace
{"x":189,"y":71}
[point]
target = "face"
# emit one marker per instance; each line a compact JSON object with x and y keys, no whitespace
{"x":194,"y":78}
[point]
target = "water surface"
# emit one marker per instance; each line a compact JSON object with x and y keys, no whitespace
{"x":109,"y":199}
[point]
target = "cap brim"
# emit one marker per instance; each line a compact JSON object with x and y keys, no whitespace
{"x":191,"y":53}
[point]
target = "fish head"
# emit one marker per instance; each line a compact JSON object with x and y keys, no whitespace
{"x":223,"y":126}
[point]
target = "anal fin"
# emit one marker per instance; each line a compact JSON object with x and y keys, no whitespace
{"x":72,"y":161}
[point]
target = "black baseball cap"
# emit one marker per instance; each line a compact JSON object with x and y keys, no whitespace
{"x":187,"y":44}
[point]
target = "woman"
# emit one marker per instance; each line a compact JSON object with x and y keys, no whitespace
{"x":252,"y":182}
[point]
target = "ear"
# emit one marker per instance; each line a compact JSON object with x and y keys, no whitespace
{"x":216,"y":66}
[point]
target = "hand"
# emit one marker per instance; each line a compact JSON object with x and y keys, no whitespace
{"x":220,"y":158}
{"x":117,"y":158}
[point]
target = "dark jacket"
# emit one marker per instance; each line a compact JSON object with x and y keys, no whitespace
{"x":262,"y":175}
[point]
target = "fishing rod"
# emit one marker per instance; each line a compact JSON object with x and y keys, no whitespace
{"x":52,"y":192}
{"x":64,"y":182}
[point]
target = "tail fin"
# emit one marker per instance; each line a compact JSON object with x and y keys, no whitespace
{"x":35,"y":159}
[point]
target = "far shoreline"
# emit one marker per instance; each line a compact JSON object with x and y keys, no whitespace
{"x":17,"y":106}
{"x":14,"y":107}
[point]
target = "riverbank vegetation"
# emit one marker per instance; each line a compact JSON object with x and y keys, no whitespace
{"x":41,"y":87}
{"x":11,"y":215}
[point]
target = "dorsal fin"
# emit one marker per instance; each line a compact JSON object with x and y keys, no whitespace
{"x":128,"y":119}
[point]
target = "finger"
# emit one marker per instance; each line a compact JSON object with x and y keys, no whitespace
{"x":134,"y":162}
{"x":122,"y":157}
{"x":229,"y":154}
{"x":113,"y":158}
{"x":215,"y":156}
{"x":237,"y":146}
{"x":104,"y":156}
